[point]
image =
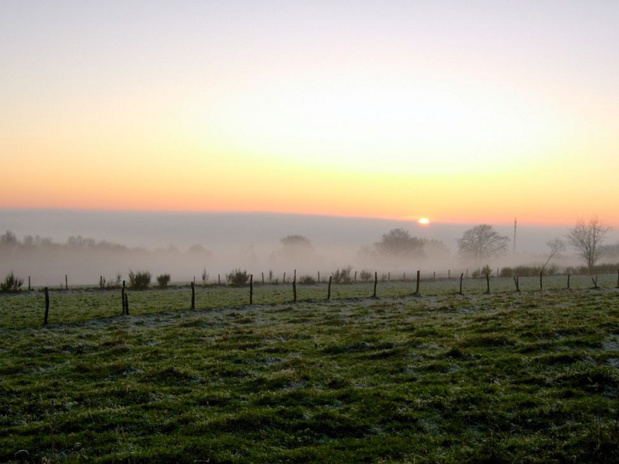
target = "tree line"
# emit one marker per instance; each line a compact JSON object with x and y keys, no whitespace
{"x":477,"y":244}
{"x":586,"y":238}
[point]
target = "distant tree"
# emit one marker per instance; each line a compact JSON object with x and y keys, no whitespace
{"x":295,"y":247}
{"x":557,"y":246}
{"x":399,"y":243}
{"x":8,"y":239}
{"x":80,"y":242}
{"x":163,"y":280}
{"x":297,"y":242}
{"x":482,"y":242}
{"x":197,"y":248}
{"x":586,"y":238}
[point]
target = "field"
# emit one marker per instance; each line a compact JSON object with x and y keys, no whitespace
{"x":513,"y":377}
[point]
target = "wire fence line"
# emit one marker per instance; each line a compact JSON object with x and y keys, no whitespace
{"x":66,"y":304}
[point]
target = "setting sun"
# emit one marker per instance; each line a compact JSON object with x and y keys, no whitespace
{"x":242,"y":108}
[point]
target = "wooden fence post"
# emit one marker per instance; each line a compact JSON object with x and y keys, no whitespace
{"x":318,"y":276}
{"x":66,"y":282}
{"x":262,"y":278}
{"x":487,"y":282}
{"x":218,"y":279}
{"x":46,"y":306}
{"x":294,"y":286}
{"x":517,"y":282}
{"x":461,"y":278}
{"x":30,"y":288}
{"x":122,"y":296}
{"x":251,"y":289}
{"x":193,"y":295}
{"x":375,"y":284}
{"x":355,"y":276}
{"x":126,"y":304}
{"x":329,"y":288}
{"x":284,"y":280}
{"x":568,"y":280}
{"x":417,"y":284}
{"x":541,"y":281}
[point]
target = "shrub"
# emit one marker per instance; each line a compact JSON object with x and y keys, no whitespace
{"x":477,"y":273}
{"x":237,"y":278}
{"x":528,"y":271}
{"x":365,"y":276}
{"x":604,"y":268}
{"x":139,"y":280}
{"x":342,"y":276}
{"x":11,"y":283}
{"x":163,"y":280}
{"x":307,"y":280}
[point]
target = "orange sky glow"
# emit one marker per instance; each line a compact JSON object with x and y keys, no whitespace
{"x":455,"y":113}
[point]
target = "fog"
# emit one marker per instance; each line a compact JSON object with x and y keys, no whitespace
{"x":185,"y":245}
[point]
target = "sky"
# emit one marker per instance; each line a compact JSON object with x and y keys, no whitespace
{"x":461,"y":112}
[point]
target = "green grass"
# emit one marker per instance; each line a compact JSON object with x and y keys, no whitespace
{"x":26,"y":309}
{"x":508,"y":377}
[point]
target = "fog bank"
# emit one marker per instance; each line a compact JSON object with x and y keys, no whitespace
{"x":187,"y":244}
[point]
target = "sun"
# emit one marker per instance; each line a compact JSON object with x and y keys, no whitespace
{"x":424,"y":221}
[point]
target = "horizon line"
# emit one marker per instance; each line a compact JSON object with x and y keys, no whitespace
{"x":411,"y":219}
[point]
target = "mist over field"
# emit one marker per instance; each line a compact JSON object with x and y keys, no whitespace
{"x":186,"y":245}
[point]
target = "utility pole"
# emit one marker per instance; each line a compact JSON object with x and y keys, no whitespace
{"x":515,"y":226}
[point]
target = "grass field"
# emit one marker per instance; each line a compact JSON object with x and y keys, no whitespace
{"x":509,"y":377}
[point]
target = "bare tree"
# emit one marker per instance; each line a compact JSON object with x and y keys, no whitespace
{"x":586,"y":238}
{"x":557,"y":246}
{"x":482,"y":242}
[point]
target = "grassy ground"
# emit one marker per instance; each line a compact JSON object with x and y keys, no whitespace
{"x":27,"y":309}
{"x":507,"y":377}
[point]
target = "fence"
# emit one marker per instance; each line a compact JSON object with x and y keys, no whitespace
{"x":213,"y":296}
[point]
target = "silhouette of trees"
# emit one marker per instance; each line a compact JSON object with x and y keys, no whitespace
{"x":586,"y":238}
{"x":399,"y":243}
{"x":8,"y":239}
{"x":295,"y":247}
{"x":482,"y":242}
